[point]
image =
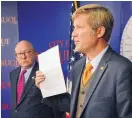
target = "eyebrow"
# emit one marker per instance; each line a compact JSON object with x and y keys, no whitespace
{"x":25,"y":50}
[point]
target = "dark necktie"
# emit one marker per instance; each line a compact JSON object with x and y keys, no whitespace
{"x":20,"y":85}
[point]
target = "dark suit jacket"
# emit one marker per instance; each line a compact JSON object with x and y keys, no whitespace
{"x":110,"y":92}
{"x":30,"y":105}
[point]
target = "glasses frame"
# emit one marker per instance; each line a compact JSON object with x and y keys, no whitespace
{"x":25,"y":53}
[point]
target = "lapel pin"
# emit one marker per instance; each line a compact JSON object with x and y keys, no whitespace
{"x":102,"y":68}
{"x":33,"y":77}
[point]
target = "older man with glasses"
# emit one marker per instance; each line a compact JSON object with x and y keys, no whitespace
{"x":25,"y":96}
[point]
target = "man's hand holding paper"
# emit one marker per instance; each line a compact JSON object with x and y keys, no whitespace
{"x":50,"y":78}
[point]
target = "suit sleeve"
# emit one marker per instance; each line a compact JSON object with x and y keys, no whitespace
{"x":10,"y":76}
{"x":60,"y":102}
{"x":124,"y":93}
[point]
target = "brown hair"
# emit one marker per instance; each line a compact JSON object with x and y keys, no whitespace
{"x":97,"y":16}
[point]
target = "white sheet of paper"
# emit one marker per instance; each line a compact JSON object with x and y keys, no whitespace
{"x":49,"y":64}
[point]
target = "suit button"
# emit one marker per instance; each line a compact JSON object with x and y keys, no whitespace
{"x":15,"y":110}
{"x":81,"y":105}
{"x":82,"y":92}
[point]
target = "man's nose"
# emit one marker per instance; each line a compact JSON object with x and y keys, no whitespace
{"x":23,"y":56}
{"x":74,"y":34}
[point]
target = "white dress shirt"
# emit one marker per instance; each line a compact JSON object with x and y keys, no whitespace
{"x":97,"y":59}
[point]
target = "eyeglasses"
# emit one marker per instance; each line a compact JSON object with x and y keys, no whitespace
{"x":26,"y":53}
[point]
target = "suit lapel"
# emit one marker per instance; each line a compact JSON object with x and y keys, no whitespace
{"x":97,"y":76}
{"x":77,"y":85}
{"x":29,"y":82}
{"x":94,"y":82}
{"x":14,"y":83}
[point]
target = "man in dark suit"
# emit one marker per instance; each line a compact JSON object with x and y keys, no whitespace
{"x":26,"y":98}
{"x":102,"y":79}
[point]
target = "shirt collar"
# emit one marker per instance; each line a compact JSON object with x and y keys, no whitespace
{"x":97,"y":59}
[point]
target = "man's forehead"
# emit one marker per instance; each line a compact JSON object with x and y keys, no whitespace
{"x":22,"y":46}
{"x":80,"y":21}
{"x":80,"y":15}
{"x":23,"y":50}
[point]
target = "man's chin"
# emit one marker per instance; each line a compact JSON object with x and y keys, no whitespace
{"x":77,"y":50}
{"x":26,"y":66}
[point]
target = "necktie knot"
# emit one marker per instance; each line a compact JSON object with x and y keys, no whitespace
{"x":23,"y":72}
{"x":89,"y":66}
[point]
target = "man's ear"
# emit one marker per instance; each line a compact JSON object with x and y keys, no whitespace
{"x":100,"y":31}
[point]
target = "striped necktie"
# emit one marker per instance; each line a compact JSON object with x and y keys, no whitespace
{"x":20,"y":85}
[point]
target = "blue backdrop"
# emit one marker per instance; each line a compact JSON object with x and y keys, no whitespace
{"x":46,"y":24}
{"x":9,"y":38}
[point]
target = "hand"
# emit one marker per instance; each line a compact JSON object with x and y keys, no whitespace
{"x":39,"y":78}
